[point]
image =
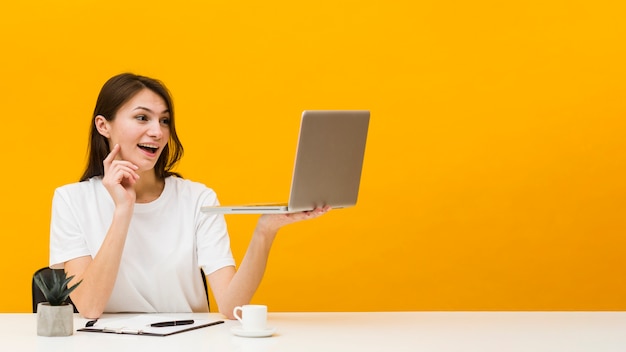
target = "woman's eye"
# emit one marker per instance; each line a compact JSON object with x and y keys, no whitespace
{"x":141,"y":117}
{"x":165,"y":121}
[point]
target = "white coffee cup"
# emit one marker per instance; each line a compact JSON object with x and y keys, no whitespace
{"x":253,"y":316}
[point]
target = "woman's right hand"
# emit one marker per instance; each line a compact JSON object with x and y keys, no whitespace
{"x":119,"y":178}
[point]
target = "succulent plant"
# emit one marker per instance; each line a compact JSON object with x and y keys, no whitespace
{"x":54,"y":286}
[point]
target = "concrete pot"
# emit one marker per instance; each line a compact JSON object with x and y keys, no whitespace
{"x":55,"y":320}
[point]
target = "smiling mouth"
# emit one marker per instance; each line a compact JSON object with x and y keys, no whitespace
{"x":149,"y":148}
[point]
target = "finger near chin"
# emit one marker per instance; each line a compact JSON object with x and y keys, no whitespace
{"x":114,"y":151}
{"x":124,"y":163}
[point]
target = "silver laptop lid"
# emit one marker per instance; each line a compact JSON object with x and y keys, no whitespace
{"x":329,"y":159}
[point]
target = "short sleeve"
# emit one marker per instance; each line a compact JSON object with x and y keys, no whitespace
{"x":213,"y":242}
{"x":67,"y":240}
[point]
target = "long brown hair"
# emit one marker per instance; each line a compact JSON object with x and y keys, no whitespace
{"x":115,"y":93}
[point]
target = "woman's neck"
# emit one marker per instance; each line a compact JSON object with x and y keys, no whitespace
{"x":148,"y":187}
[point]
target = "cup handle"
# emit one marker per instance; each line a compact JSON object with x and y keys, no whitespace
{"x":235,"y":313}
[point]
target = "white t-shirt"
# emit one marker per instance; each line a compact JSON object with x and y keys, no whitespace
{"x":168,"y":241}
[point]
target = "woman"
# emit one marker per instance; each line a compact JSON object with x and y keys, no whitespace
{"x":132,"y":230}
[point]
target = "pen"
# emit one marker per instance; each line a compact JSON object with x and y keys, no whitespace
{"x":171,"y":323}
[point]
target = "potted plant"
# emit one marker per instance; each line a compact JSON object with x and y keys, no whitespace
{"x":55,"y":317}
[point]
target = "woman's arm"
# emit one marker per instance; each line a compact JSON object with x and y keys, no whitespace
{"x":99,"y":274}
{"x":234,"y":288}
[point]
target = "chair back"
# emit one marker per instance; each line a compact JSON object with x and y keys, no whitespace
{"x":38,"y":296}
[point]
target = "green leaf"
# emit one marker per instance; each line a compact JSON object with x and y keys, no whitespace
{"x":54,"y":287}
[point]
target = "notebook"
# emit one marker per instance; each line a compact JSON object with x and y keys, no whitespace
{"x":147,"y":324}
{"x":327,"y":167}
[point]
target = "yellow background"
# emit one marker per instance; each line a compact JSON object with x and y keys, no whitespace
{"x":495,"y":164}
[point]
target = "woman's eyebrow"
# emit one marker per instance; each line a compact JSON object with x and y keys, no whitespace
{"x":149,"y":110}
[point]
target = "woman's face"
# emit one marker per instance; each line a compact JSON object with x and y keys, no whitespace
{"x":141,"y":128}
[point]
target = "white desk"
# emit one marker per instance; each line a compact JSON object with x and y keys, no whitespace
{"x":391,"y":331}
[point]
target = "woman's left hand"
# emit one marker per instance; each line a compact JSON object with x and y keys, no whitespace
{"x":273,"y":222}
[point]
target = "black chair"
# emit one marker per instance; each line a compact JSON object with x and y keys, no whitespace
{"x":206,"y":289}
{"x":38,"y":296}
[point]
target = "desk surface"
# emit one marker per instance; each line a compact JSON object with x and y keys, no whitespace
{"x":388,"y":331}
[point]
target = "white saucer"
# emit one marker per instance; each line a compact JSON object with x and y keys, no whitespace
{"x":237,"y":330}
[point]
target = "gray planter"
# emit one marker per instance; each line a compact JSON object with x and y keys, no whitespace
{"x":55,"y":320}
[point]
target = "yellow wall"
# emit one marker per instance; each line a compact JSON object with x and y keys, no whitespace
{"x":495,"y":165}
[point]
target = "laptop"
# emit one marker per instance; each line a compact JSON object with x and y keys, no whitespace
{"x":327,"y":168}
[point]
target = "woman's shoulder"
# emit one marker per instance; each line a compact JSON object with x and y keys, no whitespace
{"x":84,"y":192}
{"x":82,"y":186}
{"x":186,"y":185}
